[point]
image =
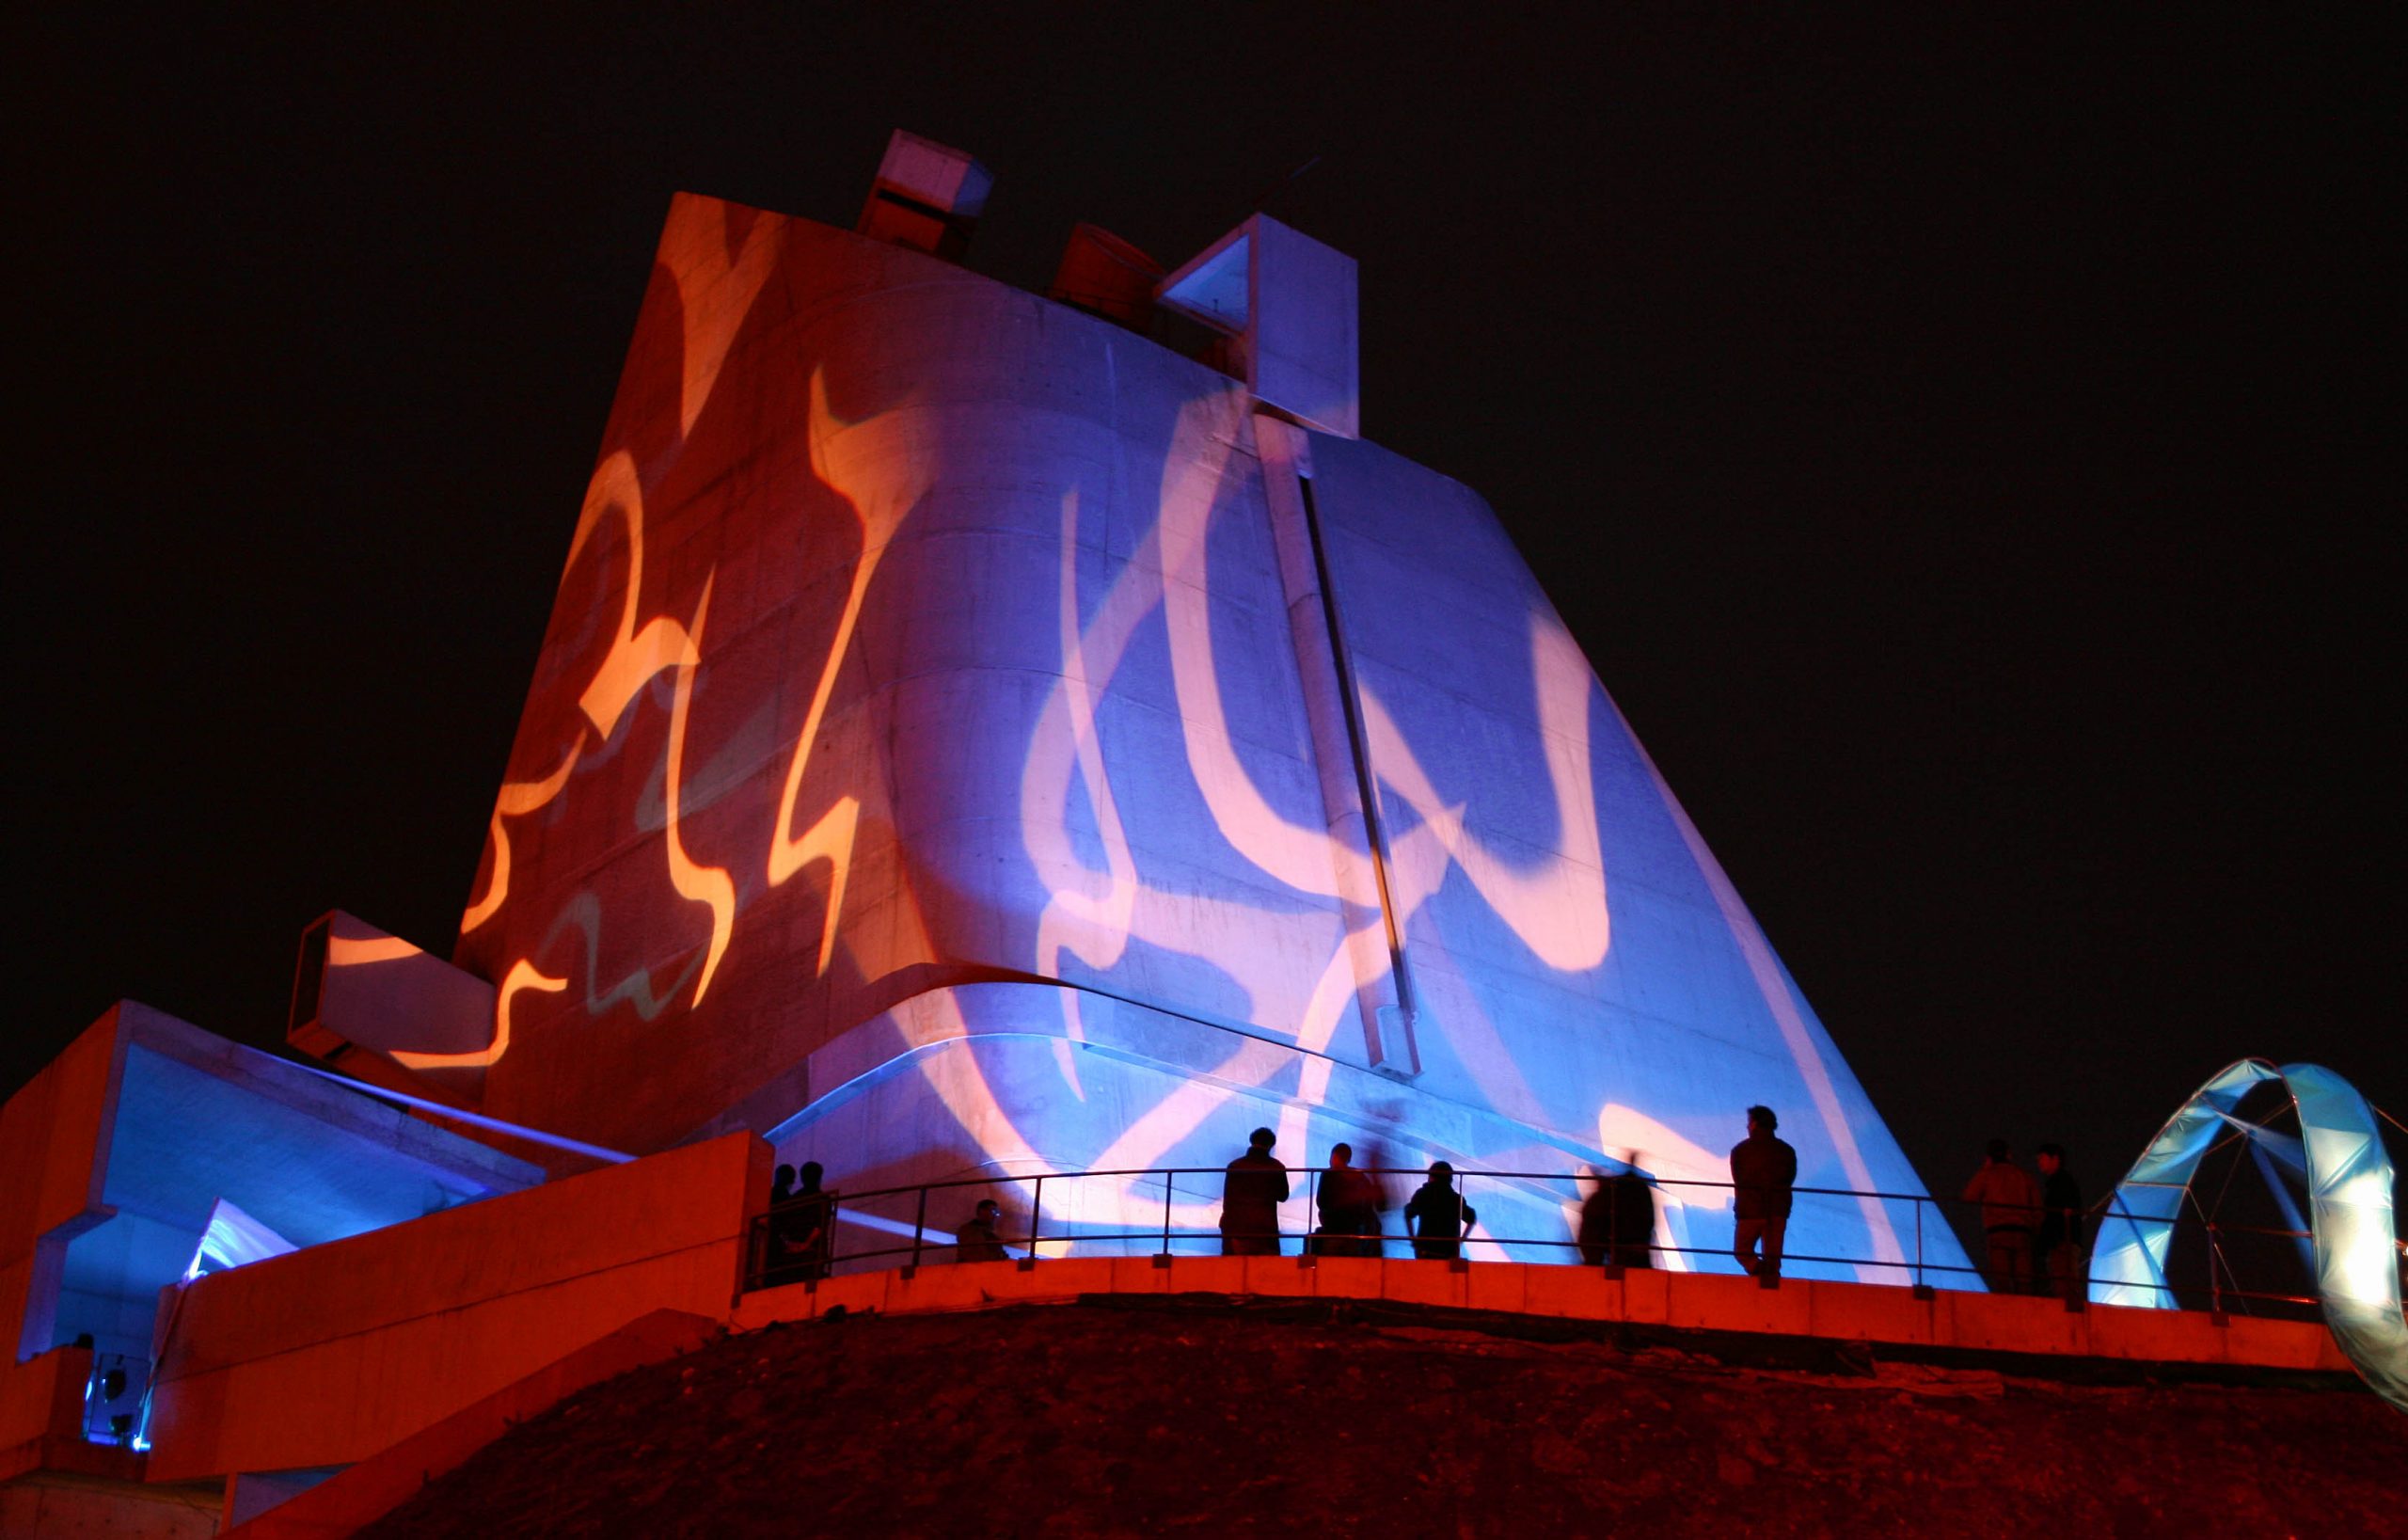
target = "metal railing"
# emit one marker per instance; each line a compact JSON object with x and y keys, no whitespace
{"x":1163,"y":1210}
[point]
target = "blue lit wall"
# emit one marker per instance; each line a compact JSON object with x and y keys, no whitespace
{"x":941,"y":757}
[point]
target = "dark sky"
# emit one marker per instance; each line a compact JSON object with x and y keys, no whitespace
{"x":1962,"y":444}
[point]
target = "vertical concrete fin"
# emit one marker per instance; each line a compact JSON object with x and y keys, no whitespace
{"x":1375,"y":945}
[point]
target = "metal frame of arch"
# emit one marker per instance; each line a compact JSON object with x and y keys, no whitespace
{"x":2349,"y":1181}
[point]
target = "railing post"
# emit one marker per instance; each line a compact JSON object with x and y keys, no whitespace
{"x":1613,"y":1225}
{"x":1923,"y":1289}
{"x":1036,"y":1218}
{"x":1168,"y":1178}
{"x":1460,"y":1182}
{"x":1308,"y":1253}
{"x":2215,"y":1277}
{"x":919,"y":1228}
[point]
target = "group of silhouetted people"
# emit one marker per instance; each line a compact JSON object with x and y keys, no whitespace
{"x":800,"y":1235}
{"x":2032,"y":1228}
{"x":1617,"y":1220}
{"x":1256,"y":1183}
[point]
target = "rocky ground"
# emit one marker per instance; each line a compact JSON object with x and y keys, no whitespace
{"x":1203,"y":1416}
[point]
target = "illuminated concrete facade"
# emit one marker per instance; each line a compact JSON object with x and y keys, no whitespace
{"x":974,"y":735}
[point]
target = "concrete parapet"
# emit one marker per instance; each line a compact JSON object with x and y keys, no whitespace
{"x":1710,"y":1302}
{"x":1714,"y":1303}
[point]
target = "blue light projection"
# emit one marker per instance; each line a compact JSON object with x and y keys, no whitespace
{"x":974,"y":737}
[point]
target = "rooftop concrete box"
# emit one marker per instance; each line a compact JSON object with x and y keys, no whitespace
{"x":1290,"y":304}
{"x":354,"y":985}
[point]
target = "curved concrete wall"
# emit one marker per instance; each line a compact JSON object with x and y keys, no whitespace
{"x":931,"y":659}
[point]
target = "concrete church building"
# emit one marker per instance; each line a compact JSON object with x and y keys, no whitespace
{"x":978,"y":735}
{"x":973,"y":735}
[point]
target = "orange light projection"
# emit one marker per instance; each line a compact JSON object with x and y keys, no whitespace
{"x":998,"y":612}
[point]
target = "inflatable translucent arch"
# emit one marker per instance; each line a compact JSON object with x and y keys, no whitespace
{"x":2339,"y":1152}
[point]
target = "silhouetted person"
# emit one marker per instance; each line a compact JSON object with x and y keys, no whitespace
{"x":1350,"y":1207}
{"x":977,"y":1240}
{"x":2010,"y":1201}
{"x":1251,"y":1193}
{"x":1437,"y":1216}
{"x":811,"y":1225}
{"x":1596,"y":1235}
{"x":1632,"y":1229}
{"x":779,"y":1264}
{"x":2059,"y":1264}
{"x":1763,"y":1169}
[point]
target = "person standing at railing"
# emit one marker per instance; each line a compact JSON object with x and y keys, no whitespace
{"x":804,"y":1233}
{"x":2010,"y":1201}
{"x":777,"y":1262}
{"x":1634,"y":1215}
{"x":1437,"y":1216}
{"x":1251,"y":1192}
{"x":2059,"y":1264}
{"x":1350,"y":1207}
{"x":975,"y":1239}
{"x":1763,"y":1169}
{"x":1595,"y":1236}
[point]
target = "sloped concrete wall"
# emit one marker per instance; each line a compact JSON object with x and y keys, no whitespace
{"x":918,"y":634}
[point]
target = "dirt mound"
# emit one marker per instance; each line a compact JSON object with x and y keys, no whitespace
{"x":1097,"y":1420}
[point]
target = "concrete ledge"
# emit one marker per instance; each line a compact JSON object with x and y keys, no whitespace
{"x":1852,"y":1312}
{"x":374,"y":1487}
{"x":1702,"y":1302}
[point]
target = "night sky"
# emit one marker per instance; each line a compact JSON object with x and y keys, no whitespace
{"x":1962,"y":444}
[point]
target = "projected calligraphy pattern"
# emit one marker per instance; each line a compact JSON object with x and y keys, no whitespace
{"x":938,"y":756}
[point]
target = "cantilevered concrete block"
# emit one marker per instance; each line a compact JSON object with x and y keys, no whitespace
{"x":1290,"y":304}
{"x":927,"y":197}
{"x":1105,"y":276}
{"x":356,"y":984}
